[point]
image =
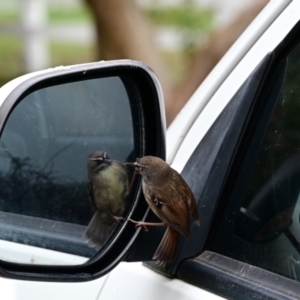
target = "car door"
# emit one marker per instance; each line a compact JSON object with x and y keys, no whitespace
{"x":250,"y":194}
{"x":245,"y":173}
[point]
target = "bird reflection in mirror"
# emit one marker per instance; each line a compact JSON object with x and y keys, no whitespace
{"x":171,"y":199}
{"x":108,"y":189}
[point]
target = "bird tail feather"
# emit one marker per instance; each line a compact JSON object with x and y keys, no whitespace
{"x":167,"y":247}
{"x":98,"y":231}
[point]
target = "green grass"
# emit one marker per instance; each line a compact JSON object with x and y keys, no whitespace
{"x":75,"y":15}
{"x":69,"y":54}
{"x":12,"y":63}
{"x":8,"y":16}
{"x":55,"y":15}
{"x":10,"y":58}
{"x":187,"y":17}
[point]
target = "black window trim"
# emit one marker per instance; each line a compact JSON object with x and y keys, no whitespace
{"x":233,"y":279}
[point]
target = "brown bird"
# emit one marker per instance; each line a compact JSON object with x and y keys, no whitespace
{"x":171,"y":199}
{"x":108,"y":188}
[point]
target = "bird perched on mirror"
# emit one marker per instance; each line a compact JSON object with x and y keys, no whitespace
{"x":108,"y":189}
{"x":171,"y":199}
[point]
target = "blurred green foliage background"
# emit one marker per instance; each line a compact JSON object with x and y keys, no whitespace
{"x":193,"y":21}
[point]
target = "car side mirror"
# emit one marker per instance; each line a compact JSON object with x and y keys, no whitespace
{"x":50,"y":122}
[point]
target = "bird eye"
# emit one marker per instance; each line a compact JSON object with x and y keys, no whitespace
{"x":98,"y":160}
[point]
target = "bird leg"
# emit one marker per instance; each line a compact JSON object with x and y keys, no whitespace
{"x":118,"y":219}
{"x":145,"y":225}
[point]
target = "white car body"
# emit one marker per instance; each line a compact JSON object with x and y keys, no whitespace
{"x":134,"y":281}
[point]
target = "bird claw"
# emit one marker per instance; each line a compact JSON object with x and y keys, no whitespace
{"x":118,"y":219}
{"x":145,"y":228}
{"x":139,"y":224}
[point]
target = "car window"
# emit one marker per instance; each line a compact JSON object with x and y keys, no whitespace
{"x":260,"y":222}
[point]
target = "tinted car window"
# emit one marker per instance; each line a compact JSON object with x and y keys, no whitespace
{"x":261,"y":221}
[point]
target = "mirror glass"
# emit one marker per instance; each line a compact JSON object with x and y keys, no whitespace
{"x":44,"y":192}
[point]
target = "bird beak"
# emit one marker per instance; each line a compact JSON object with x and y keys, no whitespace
{"x":137,"y":166}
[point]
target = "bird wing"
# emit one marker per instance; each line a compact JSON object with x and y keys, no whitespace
{"x":91,"y":194}
{"x":172,"y":210}
{"x":177,"y":217}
